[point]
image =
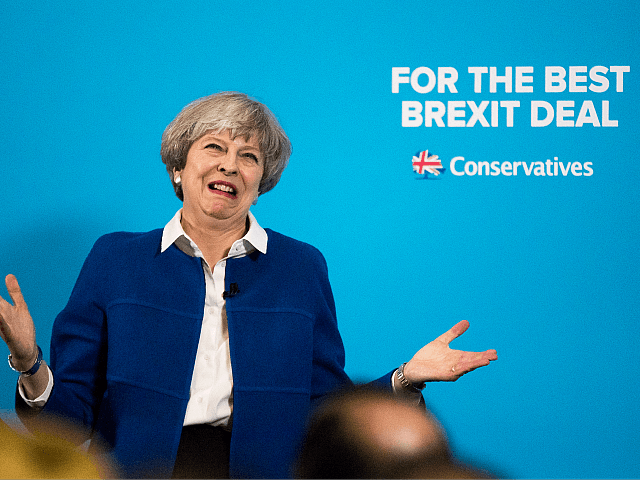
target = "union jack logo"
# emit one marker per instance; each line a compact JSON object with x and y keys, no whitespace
{"x":425,"y":163}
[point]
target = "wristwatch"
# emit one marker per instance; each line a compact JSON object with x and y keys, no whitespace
{"x":416,"y":387}
{"x":33,"y":369}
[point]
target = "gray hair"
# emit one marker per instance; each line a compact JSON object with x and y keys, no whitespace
{"x":241,"y":116}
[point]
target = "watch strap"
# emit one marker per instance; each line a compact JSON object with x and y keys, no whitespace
{"x":33,"y":369}
{"x":417,"y":387}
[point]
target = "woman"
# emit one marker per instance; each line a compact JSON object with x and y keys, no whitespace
{"x":211,"y":329}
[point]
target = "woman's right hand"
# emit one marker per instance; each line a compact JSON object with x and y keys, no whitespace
{"x":17,"y":328}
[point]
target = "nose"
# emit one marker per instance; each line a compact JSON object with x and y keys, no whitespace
{"x":229,"y":163}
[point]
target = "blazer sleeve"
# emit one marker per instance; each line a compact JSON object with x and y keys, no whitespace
{"x":78,"y":350}
{"x":328,"y":350}
{"x":329,"y":355}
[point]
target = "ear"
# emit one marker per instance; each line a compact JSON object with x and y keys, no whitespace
{"x":176,"y":175}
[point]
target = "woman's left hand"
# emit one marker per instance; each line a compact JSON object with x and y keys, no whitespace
{"x":437,"y":362}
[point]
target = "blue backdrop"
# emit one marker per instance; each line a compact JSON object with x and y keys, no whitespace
{"x":543,"y":266}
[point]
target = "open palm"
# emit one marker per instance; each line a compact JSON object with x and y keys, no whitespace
{"x":436,"y":361}
{"x":16,"y":326}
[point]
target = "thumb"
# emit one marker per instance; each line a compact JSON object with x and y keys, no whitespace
{"x":454,"y":332}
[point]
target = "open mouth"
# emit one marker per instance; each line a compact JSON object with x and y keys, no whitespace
{"x":223,"y":187}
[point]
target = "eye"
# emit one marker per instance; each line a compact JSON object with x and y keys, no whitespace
{"x":250,"y":156}
{"x":213,"y":146}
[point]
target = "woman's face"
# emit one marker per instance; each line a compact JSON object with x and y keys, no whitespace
{"x":221,"y":177}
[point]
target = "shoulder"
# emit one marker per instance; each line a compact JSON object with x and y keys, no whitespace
{"x":295,"y":251}
{"x":127,"y":245}
{"x":291,"y":274}
{"x":129,"y":239}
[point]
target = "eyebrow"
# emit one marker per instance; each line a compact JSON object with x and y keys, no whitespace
{"x":214,"y":136}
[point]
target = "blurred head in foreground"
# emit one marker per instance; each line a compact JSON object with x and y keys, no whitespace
{"x":368,"y":433}
{"x":44,"y":454}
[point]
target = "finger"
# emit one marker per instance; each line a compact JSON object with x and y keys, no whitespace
{"x":14,"y":290}
{"x":3,"y":305}
{"x":455,"y":331}
{"x":487,"y":355}
{"x":471,"y":360}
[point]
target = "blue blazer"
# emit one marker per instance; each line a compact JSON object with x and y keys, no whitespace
{"x":124,"y":347}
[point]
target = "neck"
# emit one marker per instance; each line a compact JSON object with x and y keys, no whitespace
{"x":214,"y":237}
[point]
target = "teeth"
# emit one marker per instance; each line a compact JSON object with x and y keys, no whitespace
{"x":223,"y":188}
